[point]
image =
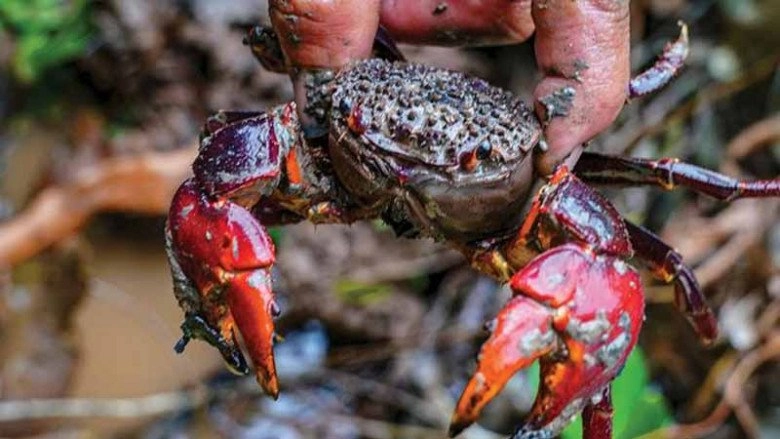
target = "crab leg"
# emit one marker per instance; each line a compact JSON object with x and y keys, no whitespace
{"x":597,"y":415}
{"x":669,"y":173}
{"x":579,"y":312}
{"x":667,"y":265}
{"x":577,"y":306}
{"x":671,"y":60}
{"x":248,"y":175}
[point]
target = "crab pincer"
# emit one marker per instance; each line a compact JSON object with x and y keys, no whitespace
{"x":221,"y":255}
{"x":228,"y":259}
{"x":579,"y":313}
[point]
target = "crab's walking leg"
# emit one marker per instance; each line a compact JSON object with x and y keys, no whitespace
{"x":669,"y":173}
{"x":577,"y":307}
{"x":667,"y":265}
{"x":671,"y":60}
{"x":597,"y":415}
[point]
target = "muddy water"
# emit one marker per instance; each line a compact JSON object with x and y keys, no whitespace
{"x":128,"y":326}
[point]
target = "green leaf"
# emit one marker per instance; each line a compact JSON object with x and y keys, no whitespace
{"x":361,"y":294}
{"x":45,"y":32}
{"x":276,"y":235}
{"x":639,"y":409}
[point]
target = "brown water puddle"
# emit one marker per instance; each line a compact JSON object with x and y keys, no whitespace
{"x":127,"y":327}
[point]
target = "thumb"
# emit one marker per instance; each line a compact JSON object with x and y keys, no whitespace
{"x":582,"y":49}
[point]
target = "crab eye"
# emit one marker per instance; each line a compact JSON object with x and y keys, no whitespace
{"x":483,"y":150}
{"x":345,"y":106}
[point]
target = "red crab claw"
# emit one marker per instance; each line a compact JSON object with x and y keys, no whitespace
{"x":221,"y":259}
{"x":577,"y":311}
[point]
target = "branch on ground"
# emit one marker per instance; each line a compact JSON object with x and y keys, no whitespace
{"x":140,"y":184}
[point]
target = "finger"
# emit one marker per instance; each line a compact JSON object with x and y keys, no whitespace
{"x":324,"y":34}
{"x":454,"y":23}
{"x":582,"y":49}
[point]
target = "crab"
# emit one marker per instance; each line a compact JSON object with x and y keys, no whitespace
{"x":443,"y":155}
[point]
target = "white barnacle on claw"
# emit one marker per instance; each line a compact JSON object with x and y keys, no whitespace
{"x":620,"y":266}
{"x":185,"y":211}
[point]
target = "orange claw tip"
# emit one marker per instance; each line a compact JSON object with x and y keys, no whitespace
{"x":265,"y":373}
{"x":269,"y":382}
{"x":252,"y":305}
{"x":457,"y":425}
{"x":478,"y":392}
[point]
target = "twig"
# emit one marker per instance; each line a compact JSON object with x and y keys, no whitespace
{"x":727,"y":255}
{"x":155,"y":404}
{"x":140,"y":184}
{"x":733,"y":397}
{"x":715,"y":244}
{"x":748,"y":140}
{"x":378,"y":429}
{"x":421,"y":408}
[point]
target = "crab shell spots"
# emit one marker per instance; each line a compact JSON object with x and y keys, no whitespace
{"x":235,"y":157}
{"x":420,"y":122}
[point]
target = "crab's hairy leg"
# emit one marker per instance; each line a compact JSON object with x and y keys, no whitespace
{"x":667,"y":265}
{"x":669,"y":173}
{"x":597,"y":416}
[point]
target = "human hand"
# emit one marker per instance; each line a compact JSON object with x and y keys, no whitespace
{"x":582,"y":49}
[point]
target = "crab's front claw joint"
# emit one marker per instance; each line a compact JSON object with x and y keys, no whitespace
{"x":579,"y":313}
{"x":221,"y":259}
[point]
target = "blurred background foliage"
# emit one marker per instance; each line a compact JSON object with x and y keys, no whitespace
{"x":45,"y":33}
{"x":380,"y":333}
